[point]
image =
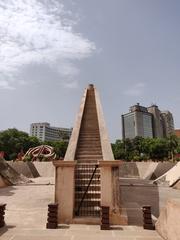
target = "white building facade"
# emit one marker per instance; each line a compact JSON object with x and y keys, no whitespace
{"x":44,"y":132}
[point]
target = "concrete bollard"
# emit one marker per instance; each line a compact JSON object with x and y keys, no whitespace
{"x":105,"y":218}
{"x":147,"y":218}
{"x":2,"y":213}
{"x":52,"y":220}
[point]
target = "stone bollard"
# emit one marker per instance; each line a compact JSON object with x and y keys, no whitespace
{"x":2,"y":213}
{"x":52,"y":220}
{"x":105,"y":218}
{"x":147,"y":218}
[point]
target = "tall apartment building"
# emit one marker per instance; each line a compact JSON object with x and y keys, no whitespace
{"x":44,"y":132}
{"x":157,"y":121}
{"x":138,"y":122}
{"x":168,"y":123}
{"x":147,"y":122}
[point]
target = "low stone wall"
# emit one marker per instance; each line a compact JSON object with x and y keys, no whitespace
{"x":171,"y":176}
{"x":45,"y":169}
{"x":128,"y":170}
{"x":161,"y":169}
{"x":145,"y":170}
{"x":34,"y":169}
{"x":21,"y":168}
{"x":167,"y":224}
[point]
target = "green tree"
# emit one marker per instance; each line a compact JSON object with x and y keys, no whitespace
{"x":158,"y":148}
{"x":138,"y":144}
{"x":139,"y":148}
{"x":178,"y":147}
{"x":173,"y":145}
{"x":12,"y":141}
{"x":129,"y":149}
{"x":118,"y":149}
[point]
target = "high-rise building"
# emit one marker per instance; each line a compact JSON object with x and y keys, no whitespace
{"x":44,"y":132}
{"x":138,"y":122}
{"x":147,"y":122}
{"x":157,"y":121}
{"x":167,"y":123}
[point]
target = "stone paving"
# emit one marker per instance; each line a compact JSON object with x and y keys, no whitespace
{"x":78,"y":232}
{"x":26,"y":217}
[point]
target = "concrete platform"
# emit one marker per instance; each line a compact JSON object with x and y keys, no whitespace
{"x":81,"y":232}
{"x":26,"y":217}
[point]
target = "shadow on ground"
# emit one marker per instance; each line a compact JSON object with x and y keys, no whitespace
{"x":7,"y":191}
{"x":136,"y":195}
{"x":5,"y":229}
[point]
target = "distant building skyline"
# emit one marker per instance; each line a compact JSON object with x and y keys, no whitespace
{"x":44,"y":132}
{"x":147,"y":122}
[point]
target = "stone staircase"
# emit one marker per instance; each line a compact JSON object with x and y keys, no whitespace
{"x":88,"y":154}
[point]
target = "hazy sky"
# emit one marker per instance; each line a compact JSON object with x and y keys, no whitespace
{"x":50,"y":50}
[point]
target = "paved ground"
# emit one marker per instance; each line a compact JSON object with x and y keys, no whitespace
{"x":26,"y":214}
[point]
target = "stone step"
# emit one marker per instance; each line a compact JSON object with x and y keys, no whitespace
{"x":90,"y":125}
{"x":88,"y":157}
{"x":91,"y":155}
{"x":92,"y":118}
{"x":93,"y":188}
{"x":91,"y":147}
{"x":89,"y":161}
{"x":92,"y":195}
{"x":88,"y":139}
{"x":88,"y":131}
{"x":86,"y":161}
{"x":83,"y":172}
{"x":85,"y":147}
{"x":90,"y":151}
{"x":89,"y":203}
{"x":87,"y":167}
{"x":84,"y":167}
{"x":86,"y":175}
{"x":89,"y":134}
{"x":83,"y":138}
{"x":85,"y":182}
{"x":88,"y":143}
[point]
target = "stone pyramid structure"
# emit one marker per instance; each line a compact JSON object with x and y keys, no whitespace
{"x":88,"y":153}
{"x":89,"y":128}
{"x":87,"y":167}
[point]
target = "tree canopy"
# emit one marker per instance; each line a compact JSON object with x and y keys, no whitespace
{"x":146,"y":148}
{"x":12,"y":141}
